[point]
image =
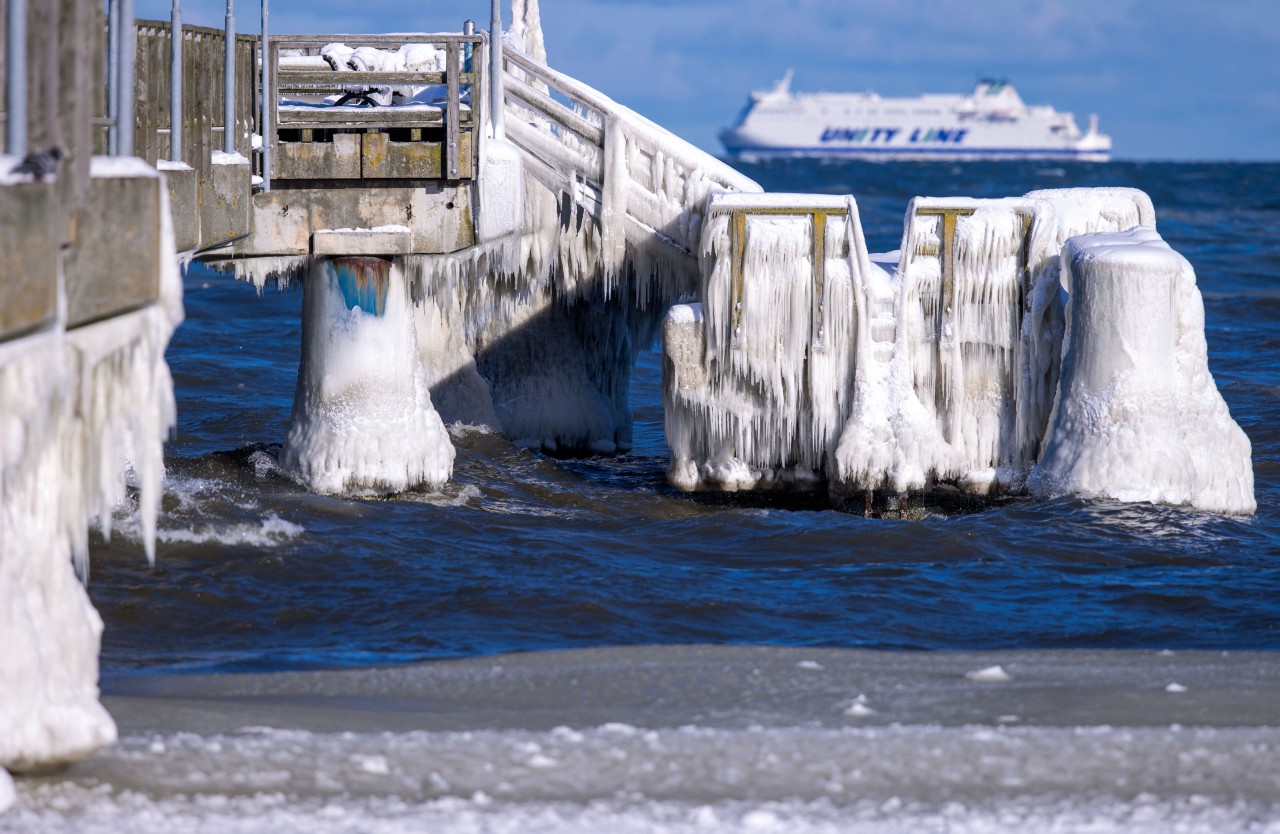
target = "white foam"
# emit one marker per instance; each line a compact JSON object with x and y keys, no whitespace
{"x":269,"y":532}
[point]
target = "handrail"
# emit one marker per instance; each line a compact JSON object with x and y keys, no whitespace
{"x":573,"y":144}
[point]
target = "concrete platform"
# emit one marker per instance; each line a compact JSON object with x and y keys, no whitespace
{"x":184,"y":203}
{"x":28,"y":257}
{"x":437,"y":215}
{"x":226,"y":200}
{"x":113,"y":265}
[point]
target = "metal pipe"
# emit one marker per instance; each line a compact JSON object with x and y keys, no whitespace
{"x":229,"y":83}
{"x":175,"y":82}
{"x":16,"y":75}
{"x":495,"y":70}
{"x":267,"y":104}
{"x":128,"y":57}
{"x":113,"y":78}
{"x":468,"y":29}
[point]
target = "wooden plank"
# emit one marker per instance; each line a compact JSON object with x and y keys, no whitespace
{"x":292,"y":79}
{"x":452,"y":143}
{"x":336,"y":160}
{"x":318,"y":41}
{"x":383,"y":159}
{"x":335,"y":117}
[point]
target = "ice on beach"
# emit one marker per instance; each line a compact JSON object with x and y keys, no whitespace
{"x":7,"y":792}
{"x":859,"y":708}
{"x":854,"y":779}
{"x":989,"y":674}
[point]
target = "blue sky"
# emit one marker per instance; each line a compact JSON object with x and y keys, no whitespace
{"x":1179,"y":79}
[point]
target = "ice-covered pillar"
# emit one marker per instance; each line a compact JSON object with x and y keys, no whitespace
{"x":362,"y":421}
{"x":1138,"y":417}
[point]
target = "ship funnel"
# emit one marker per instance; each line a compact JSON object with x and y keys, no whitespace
{"x":783,"y":87}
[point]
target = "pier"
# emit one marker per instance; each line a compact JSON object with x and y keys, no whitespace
{"x":483,"y":239}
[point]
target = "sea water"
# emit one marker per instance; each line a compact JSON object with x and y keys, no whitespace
{"x":572,"y":645}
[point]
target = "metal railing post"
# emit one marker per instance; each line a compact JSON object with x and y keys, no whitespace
{"x":267,"y":104}
{"x":175,"y":82}
{"x":113,"y":78}
{"x":229,"y":83}
{"x":128,"y":56}
{"x":495,"y":70}
{"x":16,"y":73}
{"x":468,"y":29}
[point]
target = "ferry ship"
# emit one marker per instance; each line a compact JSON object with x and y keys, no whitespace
{"x":990,"y":123}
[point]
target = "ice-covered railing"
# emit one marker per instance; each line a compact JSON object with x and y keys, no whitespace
{"x":758,"y":377}
{"x":968,"y":269}
{"x":947,"y":370}
{"x":626,"y":189}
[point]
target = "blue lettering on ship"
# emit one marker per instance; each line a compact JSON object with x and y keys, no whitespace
{"x":884,"y":135}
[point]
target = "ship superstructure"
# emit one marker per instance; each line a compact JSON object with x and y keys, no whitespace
{"x":992,"y":122}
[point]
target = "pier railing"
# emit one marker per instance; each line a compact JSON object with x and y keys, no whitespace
{"x":431,"y":135}
{"x":203,"y":57}
{"x":568,"y":131}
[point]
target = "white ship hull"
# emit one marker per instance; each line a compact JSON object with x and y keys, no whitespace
{"x":991,"y":123}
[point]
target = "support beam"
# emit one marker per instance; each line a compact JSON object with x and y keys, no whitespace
{"x":113,"y":77}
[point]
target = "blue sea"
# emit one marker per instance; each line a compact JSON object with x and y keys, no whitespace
{"x":572,"y":645}
{"x":524,"y":552}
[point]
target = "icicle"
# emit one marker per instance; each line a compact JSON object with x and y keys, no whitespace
{"x":766,"y":399}
{"x":283,"y":270}
{"x":78,"y":410}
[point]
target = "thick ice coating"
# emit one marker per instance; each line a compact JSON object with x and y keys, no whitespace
{"x":948,"y":369}
{"x":1138,"y":417}
{"x":362,"y":417}
{"x":764,"y":399}
{"x":80,"y":410}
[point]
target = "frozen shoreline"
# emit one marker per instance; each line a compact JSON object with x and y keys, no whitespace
{"x":730,"y":687}
{"x":691,"y":738}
